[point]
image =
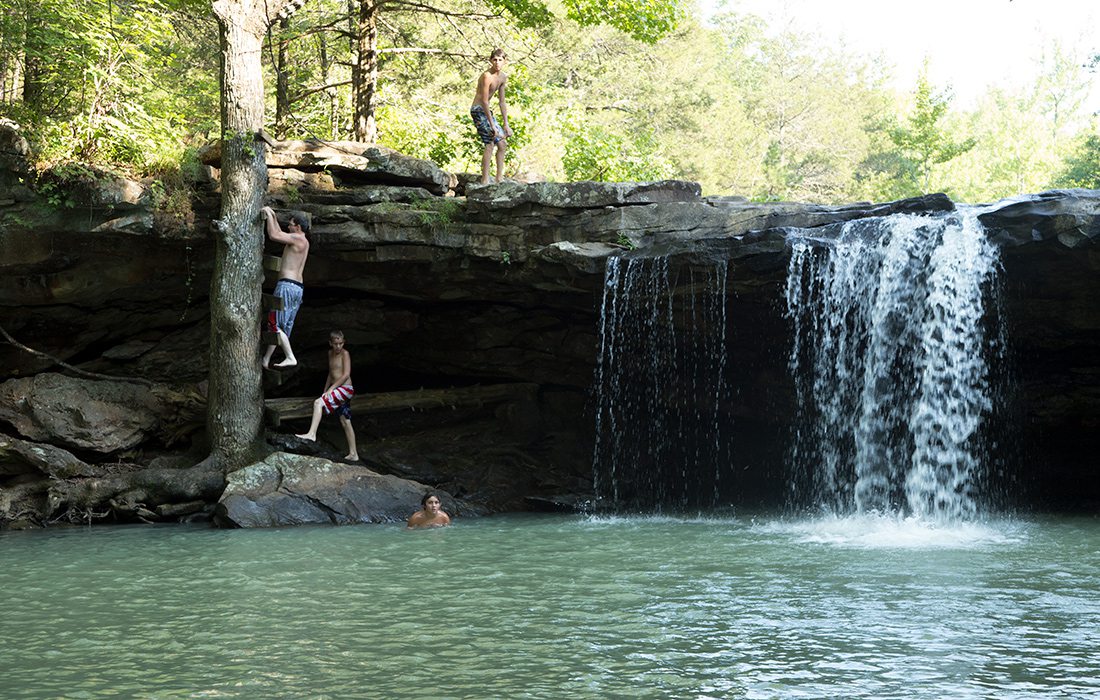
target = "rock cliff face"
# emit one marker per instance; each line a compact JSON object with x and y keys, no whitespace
{"x":472,"y":322}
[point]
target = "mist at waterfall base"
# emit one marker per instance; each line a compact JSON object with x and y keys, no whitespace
{"x":894,"y":369}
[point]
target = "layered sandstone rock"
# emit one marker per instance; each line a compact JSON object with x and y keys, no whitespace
{"x":500,"y":287}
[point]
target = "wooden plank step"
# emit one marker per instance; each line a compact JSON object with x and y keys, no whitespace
{"x":272,"y":302}
{"x":273,"y":263}
{"x":271,"y":417}
{"x":272,"y":377}
{"x":416,"y":400}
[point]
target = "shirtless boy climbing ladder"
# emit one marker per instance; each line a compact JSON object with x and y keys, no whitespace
{"x":289,"y":287}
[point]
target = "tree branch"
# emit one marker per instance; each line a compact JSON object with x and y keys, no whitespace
{"x":74,"y":370}
{"x":421,"y":7}
{"x":317,"y":88}
{"x":604,"y":108}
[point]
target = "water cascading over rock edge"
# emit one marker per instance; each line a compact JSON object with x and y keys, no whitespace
{"x":661,"y":440}
{"x":892,"y":336}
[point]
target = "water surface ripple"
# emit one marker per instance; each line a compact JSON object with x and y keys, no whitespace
{"x":557,"y":607}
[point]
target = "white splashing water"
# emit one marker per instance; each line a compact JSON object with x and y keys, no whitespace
{"x":889,"y":360}
{"x":893,"y":531}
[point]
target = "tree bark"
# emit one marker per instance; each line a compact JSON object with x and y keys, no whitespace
{"x":235,"y":410}
{"x":364,"y":72}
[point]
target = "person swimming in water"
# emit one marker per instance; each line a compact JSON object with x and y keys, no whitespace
{"x":429,"y":514}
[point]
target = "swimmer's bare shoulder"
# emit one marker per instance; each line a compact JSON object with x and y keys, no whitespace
{"x":420,"y":519}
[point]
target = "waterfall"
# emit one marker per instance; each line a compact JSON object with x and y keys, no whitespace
{"x":889,"y":359}
{"x":660,"y":380}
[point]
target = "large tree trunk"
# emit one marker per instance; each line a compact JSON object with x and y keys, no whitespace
{"x":235,"y":415}
{"x":364,"y":71}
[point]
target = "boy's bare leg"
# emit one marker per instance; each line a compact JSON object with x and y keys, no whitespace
{"x":284,"y":343}
{"x":486,"y":162}
{"x":311,"y":434}
{"x":502,"y":147}
{"x":349,"y":433}
{"x":267,"y":356}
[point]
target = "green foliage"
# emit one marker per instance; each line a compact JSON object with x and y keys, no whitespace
{"x":439,"y":211}
{"x":293,"y":194}
{"x":644,"y":20}
{"x":526,"y":13}
{"x":113,"y":82}
{"x":598,"y":89}
{"x":173,"y":189}
{"x":596,"y":153}
{"x":242,"y":140}
{"x":917,"y":144}
{"x":1082,"y":167}
{"x":61,"y":184}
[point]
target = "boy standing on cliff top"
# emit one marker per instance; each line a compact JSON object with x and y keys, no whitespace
{"x":337,"y":395}
{"x":489,"y":131}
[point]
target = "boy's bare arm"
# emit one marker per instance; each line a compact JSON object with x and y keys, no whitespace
{"x":274,"y":231}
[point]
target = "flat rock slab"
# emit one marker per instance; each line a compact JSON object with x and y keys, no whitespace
{"x":288,"y":489}
{"x":25,"y":457}
{"x":1071,"y":216}
{"x":350,"y":161}
{"x":580,"y":195}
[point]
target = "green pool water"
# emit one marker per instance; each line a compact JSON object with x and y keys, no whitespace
{"x":557,"y":607}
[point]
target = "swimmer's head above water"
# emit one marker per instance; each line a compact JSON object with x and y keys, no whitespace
{"x":430,"y":514}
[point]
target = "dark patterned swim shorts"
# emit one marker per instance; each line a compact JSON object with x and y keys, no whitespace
{"x":487,"y":128}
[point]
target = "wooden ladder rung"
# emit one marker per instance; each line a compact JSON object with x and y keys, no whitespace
{"x":271,"y":417}
{"x":272,"y":303}
{"x":273,"y":263}
{"x":273,"y":377}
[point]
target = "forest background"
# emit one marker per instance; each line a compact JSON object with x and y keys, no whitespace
{"x":643,"y":91}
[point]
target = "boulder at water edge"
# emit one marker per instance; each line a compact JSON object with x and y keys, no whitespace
{"x":289,"y":489}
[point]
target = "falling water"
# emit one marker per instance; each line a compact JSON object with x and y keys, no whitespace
{"x":889,"y":361}
{"x":659,"y":384}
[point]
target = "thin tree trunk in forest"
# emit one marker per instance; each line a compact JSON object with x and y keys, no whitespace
{"x":6,"y":48}
{"x":364,"y":73}
{"x":282,"y":90}
{"x":235,"y":406}
{"x":32,"y":61}
{"x":326,"y":65}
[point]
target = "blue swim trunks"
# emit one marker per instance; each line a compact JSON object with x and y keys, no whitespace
{"x":290,"y":291}
{"x":487,"y":128}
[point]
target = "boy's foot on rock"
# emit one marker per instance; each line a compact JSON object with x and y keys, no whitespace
{"x":307,"y":436}
{"x":351,"y":458}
